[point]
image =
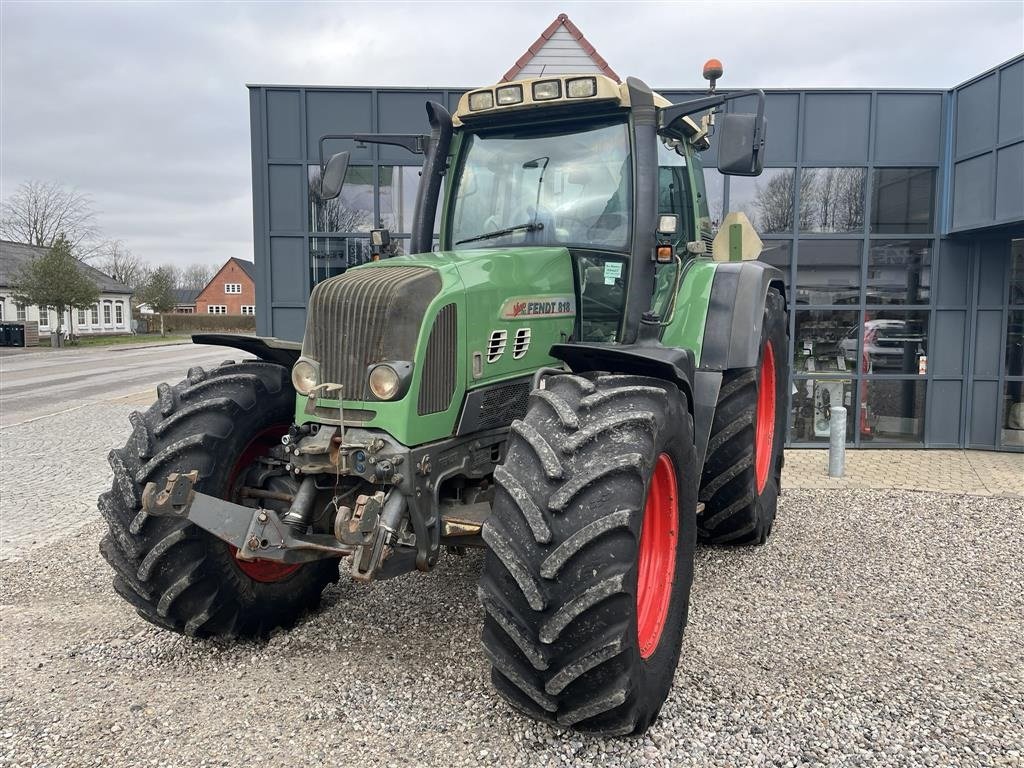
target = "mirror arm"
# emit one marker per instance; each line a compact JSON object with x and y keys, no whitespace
{"x":668,"y":115}
{"x":418,"y":144}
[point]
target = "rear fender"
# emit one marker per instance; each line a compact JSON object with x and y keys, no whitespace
{"x":732,"y":332}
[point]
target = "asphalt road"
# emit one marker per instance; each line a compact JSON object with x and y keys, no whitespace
{"x":35,"y":385}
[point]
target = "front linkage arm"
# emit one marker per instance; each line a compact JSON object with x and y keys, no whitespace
{"x":255,"y":533}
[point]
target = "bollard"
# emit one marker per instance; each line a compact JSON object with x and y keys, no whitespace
{"x":837,"y":441}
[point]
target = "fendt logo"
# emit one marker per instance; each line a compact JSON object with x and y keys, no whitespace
{"x":538,"y":306}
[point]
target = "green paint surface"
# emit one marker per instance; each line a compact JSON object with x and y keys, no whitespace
{"x":690,"y":317}
{"x":480,"y":283}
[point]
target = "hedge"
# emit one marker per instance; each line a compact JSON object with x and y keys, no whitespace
{"x":176,"y":323}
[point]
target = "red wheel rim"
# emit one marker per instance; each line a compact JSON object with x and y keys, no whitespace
{"x":764,"y":428}
{"x":659,"y":533}
{"x":265,"y":571}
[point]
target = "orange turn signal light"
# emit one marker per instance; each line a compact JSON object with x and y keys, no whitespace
{"x":664,"y":254}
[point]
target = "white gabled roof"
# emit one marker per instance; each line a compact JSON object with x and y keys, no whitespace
{"x":561,"y":49}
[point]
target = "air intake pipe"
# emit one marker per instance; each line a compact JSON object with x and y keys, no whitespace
{"x":434,"y":167}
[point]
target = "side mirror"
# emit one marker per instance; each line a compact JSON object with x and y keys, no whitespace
{"x":740,"y":144}
{"x":333,"y":176}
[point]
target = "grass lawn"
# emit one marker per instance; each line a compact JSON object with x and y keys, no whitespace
{"x":146,"y":338}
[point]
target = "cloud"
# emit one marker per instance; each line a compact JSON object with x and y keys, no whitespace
{"x":144,"y":105}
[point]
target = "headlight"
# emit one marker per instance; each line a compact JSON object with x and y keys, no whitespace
{"x":304,"y":376}
{"x":384,"y":382}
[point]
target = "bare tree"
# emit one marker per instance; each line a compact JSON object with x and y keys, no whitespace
{"x":122,"y":265}
{"x":334,"y":215}
{"x":39,"y":211}
{"x":194,"y":277}
{"x":774,"y":203}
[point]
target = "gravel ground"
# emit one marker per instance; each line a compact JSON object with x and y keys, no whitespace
{"x":876,"y":628}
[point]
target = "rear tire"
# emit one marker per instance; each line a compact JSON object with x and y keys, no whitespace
{"x":174,"y":573}
{"x":741,"y":479}
{"x":570,"y":548}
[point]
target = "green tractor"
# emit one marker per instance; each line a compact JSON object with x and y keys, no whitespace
{"x":581,"y":379}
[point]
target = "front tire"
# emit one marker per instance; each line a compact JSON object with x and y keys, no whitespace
{"x":587,"y":580}
{"x":743,"y":470}
{"x":174,"y":573}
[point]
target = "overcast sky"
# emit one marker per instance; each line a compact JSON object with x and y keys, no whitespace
{"x":143,"y":106}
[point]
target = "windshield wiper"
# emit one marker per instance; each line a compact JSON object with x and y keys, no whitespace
{"x":533,"y":226}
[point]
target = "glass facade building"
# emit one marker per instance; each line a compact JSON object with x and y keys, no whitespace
{"x":897,"y":218}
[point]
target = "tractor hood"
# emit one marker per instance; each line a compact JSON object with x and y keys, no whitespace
{"x":460,"y":319}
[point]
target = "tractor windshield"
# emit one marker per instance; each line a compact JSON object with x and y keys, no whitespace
{"x":544,"y":186}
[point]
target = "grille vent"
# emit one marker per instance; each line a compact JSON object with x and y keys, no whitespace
{"x":496,"y":345}
{"x":437,"y":385}
{"x":522,"y":343}
{"x":503,"y":404}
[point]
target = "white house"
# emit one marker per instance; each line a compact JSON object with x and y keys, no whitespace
{"x":111,"y":314}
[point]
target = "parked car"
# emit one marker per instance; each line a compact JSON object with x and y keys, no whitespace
{"x":891,"y":346}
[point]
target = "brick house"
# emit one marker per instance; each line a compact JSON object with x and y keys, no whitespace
{"x":232,"y":291}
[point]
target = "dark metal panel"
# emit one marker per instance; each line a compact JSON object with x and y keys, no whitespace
{"x":403,"y":112}
{"x":289,"y":322}
{"x":257,"y":131}
{"x":286,"y":196}
{"x":836,"y":127}
{"x":975,"y":112}
{"x":982,"y":432}
{"x":1010,"y":183}
{"x":908,"y":128}
{"x":1011,"y":102}
{"x":952,"y":273}
{"x":453,"y":100}
{"x":944,"y":412}
{"x":972,"y":191}
{"x":988,"y":332}
{"x":947,"y":356}
{"x":289,"y":275}
{"x":284,"y":132}
{"x":993,"y":258}
{"x":338,"y":112}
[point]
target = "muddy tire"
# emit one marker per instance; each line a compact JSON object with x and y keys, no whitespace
{"x":595,"y":503}
{"x":743,"y":470}
{"x":175,"y":574}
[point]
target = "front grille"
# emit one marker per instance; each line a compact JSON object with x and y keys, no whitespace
{"x":366,"y":316}
{"x":437,"y":384}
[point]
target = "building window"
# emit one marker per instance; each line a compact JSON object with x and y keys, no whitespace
{"x":95,"y":314}
{"x":351,"y":211}
{"x":1013,"y":389}
{"x":2,"y":300}
{"x":119,"y":313}
{"x":20,"y":313}
{"x":778,"y":253}
{"x":828,"y":272}
{"x":832,"y":199}
{"x":812,"y":408}
{"x":232,"y":287}
{"x":81,"y":317}
{"x":899,"y":272}
{"x":893,"y":410}
{"x":44,"y":317}
{"x":397,"y":196}
{"x":903,"y":200}
{"x":767,"y":199}
{"x":216,"y":309}
{"x":106,"y":313}
{"x":248,"y":309}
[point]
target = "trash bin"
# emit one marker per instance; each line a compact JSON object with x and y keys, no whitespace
{"x":12,"y":335}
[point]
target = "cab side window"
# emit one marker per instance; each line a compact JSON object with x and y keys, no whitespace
{"x":674,"y":193}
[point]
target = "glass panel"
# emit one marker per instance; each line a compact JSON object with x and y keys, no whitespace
{"x":674,"y":190}
{"x":894,"y":410}
{"x":714,"y":191}
{"x":778,"y":253}
{"x":545,"y":186}
{"x":828,"y":272}
{"x":895,"y":341}
{"x":1017,"y":271}
{"x":832,"y":199}
{"x":330,"y":256}
{"x":351,"y":211}
{"x":603,"y":296}
{"x":397,"y":196}
{"x":1013,"y":414}
{"x":899,"y":272}
{"x":903,"y":200}
{"x":1015,"y":342}
{"x":766,"y":199}
{"x":826,"y":340}
{"x":812,"y":408}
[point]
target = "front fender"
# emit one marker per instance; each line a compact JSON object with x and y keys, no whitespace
{"x":732,"y":332}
